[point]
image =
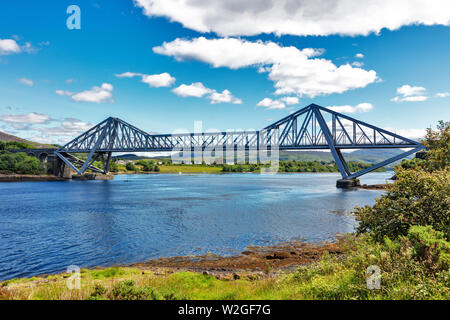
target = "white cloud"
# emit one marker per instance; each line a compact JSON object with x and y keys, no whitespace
{"x":69,"y":81}
{"x":271,"y":104}
{"x":225,"y":97}
{"x":63,"y":93}
{"x":30,"y":118}
{"x":158,"y":80}
{"x":27,"y":82}
{"x":358,"y":64}
{"x":198,"y":90}
{"x":410,"y":94}
{"x":128,"y":75}
{"x":407,"y":90}
{"x":298,"y":17}
{"x":359,"y":55}
{"x":443,"y":94}
{"x":414,"y":134}
{"x":153,"y":80}
{"x":293,"y":71}
{"x":9,"y":46}
{"x":68,"y":127}
{"x":290,"y":100}
{"x":96,"y":94}
{"x":362,"y":107}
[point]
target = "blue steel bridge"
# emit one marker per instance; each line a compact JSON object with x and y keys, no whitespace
{"x":311,"y":128}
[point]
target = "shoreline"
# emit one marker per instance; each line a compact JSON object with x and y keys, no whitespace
{"x":259,"y":261}
{"x":42,"y":178}
{"x":29,"y":177}
{"x":254,"y":262}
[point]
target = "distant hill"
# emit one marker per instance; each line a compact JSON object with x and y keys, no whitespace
{"x":9,"y":137}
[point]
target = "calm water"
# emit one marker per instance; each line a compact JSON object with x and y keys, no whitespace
{"x":47,"y":226}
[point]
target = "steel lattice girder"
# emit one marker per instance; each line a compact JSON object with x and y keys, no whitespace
{"x":302,"y":130}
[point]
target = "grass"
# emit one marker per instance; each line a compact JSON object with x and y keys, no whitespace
{"x":403,"y":276}
{"x":190,"y":169}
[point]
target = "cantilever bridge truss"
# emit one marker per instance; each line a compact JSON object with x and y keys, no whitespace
{"x":313,"y":127}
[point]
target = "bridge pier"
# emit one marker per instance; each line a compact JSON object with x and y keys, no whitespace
{"x":347,"y":183}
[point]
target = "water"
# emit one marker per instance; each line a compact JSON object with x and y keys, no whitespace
{"x":47,"y":226}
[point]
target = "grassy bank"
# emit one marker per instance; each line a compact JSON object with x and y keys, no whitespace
{"x":404,"y":275}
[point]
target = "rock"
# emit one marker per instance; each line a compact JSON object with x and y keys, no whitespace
{"x":236,"y":276}
{"x":278,"y":255}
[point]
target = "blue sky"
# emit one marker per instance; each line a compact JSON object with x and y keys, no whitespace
{"x":56,"y":82}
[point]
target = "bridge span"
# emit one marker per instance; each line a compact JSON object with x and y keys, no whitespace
{"x":311,"y":128}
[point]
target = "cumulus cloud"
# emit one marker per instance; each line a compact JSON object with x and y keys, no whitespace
{"x":443,"y":94}
{"x":96,"y":94}
{"x":410,"y":94}
{"x":293,"y":71}
{"x":358,"y":64}
{"x":27,"y":82}
{"x":271,"y":104}
{"x":9,"y":46}
{"x":413,"y":134}
{"x":298,"y":17}
{"x":290,"y":100}
{"x":68,"y":127}
{"x":29,"y":118}
{"x":362,"y":107}
{"x":224,"y":97}
{"x":153,"y":80}
{"x":63,"y":93}
{"x":198,"y":90}
{"x":359,"y":55}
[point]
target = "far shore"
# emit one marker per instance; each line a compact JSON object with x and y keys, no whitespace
{"x":29,"y":177}
{"x":41,"y":178}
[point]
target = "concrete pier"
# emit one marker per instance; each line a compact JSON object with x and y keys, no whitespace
{"x":347,"y":183}
{"x":93,"y":176}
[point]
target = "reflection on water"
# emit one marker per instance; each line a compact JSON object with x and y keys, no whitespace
{"x":47,"y":226}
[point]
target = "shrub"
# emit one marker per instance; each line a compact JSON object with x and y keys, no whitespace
{"x":429,"y":247}
{"x":20,"y":163}
{"x":130,"y":166}
{"x":126,"y":290}
{"x":416,"y":198}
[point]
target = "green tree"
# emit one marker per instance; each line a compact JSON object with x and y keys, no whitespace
{"x":130,"y":166}
{"x":416,"y":198}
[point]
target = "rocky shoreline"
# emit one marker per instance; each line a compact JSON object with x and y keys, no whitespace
{"x":29,"y":177}
{"x":256,"y":261}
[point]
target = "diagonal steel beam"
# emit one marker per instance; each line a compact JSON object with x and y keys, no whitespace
{"x":385,"y":162}
{"x":326,"y":132}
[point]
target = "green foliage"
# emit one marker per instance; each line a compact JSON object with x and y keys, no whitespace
{"x":438,"y":145}
{"x":20,"y":163}
{"x":298,"y":166}
{"x":10,"y":145}
{"x":420,"y":196}
{"x":126,"y":290}
{"x":430,"y":248}
{"x":416,"y":198}
{"x":130,"y":166}
{"x":114,"y":167}
{"x":147,"y":165}
{"x":437,"y":155}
